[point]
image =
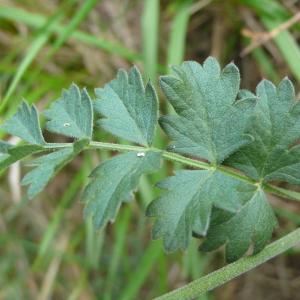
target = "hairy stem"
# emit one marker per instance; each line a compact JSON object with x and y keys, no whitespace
{"x":292,"y":195}
{"x":206,"y":283}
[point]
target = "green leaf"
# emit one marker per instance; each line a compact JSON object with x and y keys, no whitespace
{"x":210,"y":122}
{"x":275,"y":127}
{"x":186,"y":206}
{"x":129,"y":109}
{"x":253,"y":223}
{"x":72,"y":114}
{"x":114,"y":181}
{"x":4,"y":148}
{"x":47,"y":166}
{"x":25,"y":124}
{"x":10,"y":154}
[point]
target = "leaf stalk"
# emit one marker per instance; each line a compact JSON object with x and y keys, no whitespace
{"x":281,"y":192}
{"x":207,"y":283}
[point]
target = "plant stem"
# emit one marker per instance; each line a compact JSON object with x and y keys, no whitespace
{"x":284,"y":193}
{"x":227,"y":273}
{"x":292,"y":195}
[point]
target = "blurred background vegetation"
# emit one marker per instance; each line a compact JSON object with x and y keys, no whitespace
{"x":47,"y":250}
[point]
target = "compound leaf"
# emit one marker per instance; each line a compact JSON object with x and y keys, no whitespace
{"x":214,"y":121}
{"x":114,"y":181}
{"x":275,"y":127}
{"x":25,"y":124}
{"x":46,"y":166}
{"x":210,"y":121}
{"x":72,"y":114}
{"x":129,"y":109}
{"x":186,"y":206}
{"x":253,"y":223}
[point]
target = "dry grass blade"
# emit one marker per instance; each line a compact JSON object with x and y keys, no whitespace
{"x":50,"y":276}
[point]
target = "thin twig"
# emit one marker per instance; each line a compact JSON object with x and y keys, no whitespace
{"x":267,"y":36}
{"x":255,"y":30}
{"x":198,"y":6}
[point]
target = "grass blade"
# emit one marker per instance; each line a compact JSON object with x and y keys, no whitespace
{"x":150,"y":23}
{"x":32,"y":52}
{"x":81,"y":14}
{"x":265,"y":64}
{"x":117,"y":252}
{"x":37,"y":21}
{"x":140,"y":274}
{"x":53,"y":227}
{"x":177,"y":41}
{"x":287,"y":45}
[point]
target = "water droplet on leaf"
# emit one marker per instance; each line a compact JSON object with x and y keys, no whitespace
{"x":171,"y":147}
{"x":140,"y":154}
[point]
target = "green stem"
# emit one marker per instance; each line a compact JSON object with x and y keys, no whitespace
{"x":227,"y":273}
{"x":284,"y":193}
{"x":292,"y":195}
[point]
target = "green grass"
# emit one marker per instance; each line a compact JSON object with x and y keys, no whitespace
{"x":35,"y":46}
{"x":81,"y":13}
{"x":178,"y":33}
{"x":150,"y":34}
{"x":37,"y":21}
